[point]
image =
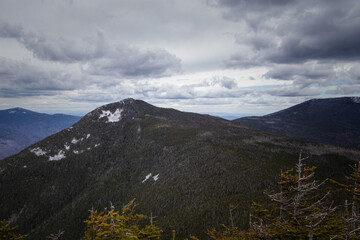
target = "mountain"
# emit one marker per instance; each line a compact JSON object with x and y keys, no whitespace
{"x":19,"y":128}
{"x":183,"y":168}
{"x":331,"y":120}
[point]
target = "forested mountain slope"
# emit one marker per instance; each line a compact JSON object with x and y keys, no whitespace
{"x":184,"y":168}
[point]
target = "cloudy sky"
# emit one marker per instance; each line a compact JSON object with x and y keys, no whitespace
{"x":225,"y":57}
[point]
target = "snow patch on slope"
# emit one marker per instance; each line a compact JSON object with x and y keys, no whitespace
{"x":38,"y":151}
{"x":112,"y":117}
{"x":58,"y":156}
{"x":356,"y":99}
{"x":78,"y":152}
{"x":147,"y":177}
{"x":67,"y":147}
{"x":156,"y":177}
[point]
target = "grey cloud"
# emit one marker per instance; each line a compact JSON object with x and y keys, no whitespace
{"x":344,"y":90}
{"x":228,"y":83}
{"x":224,"y":82}
{"x":97,"y":55}
{"x":22,"y":79}
{"x":244,"y":9}
{"x":351,"y":74}
{"x":10,"y":31}
{"x":295,"y":31}
{"x":304,"y":71}
{"x":330,"y":33}
{"x":192,"y":91}
{"x":64,"y":50}
{"x":132,"y":62}
{"x":56,"y":49}
{"x":240,"y":60}
{"x":292,"y":91}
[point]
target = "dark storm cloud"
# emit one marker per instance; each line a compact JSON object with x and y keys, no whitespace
{"x":22,"y":79}
{"x":100,"y":57}
{"x":304,"y":30}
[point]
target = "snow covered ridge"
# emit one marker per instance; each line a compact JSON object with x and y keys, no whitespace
{"x":356,"y":99}
{"x":112,"y":117}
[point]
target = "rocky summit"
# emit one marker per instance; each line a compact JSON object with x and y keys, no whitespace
{"x":183,"y":168}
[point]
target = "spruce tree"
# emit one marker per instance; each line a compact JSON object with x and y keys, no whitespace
{"x":351,"y":216}
{"x":111,"y":224}
{"x":302,"y":210}
{"x":7,"y":232}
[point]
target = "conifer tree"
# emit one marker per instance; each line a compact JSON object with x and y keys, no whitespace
{"x":113,"y":225}
{"x":351,"y":208}
{"x":302,"y":210}
{"x":7,"y":232}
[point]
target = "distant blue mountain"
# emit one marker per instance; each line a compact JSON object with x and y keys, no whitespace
{"x":19,"y":128}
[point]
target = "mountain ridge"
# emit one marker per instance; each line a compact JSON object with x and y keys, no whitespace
{"x":199,"y":164}
{"x":19,"y":128}
{"x":330,"y":120}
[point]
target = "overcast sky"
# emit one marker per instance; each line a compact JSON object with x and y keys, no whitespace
{"x":209,"y":56}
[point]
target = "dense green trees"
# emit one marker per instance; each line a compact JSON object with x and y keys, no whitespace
{"x":114,"y":225}
{"x":301,"y":208}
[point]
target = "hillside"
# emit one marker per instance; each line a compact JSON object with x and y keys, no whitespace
{"x":332,"y":120}
{"x":184,"y":168}
{"x":19,"y":128}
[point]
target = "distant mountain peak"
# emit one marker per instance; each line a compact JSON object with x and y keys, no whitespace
{"x":326,"y":120}
{"x":18,"y":110}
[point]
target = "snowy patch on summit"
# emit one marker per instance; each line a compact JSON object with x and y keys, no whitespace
{"x":58,"y":156}
{"x":112,"y":117}
{"x":38,"y":151}
{"x":356,"y":99}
